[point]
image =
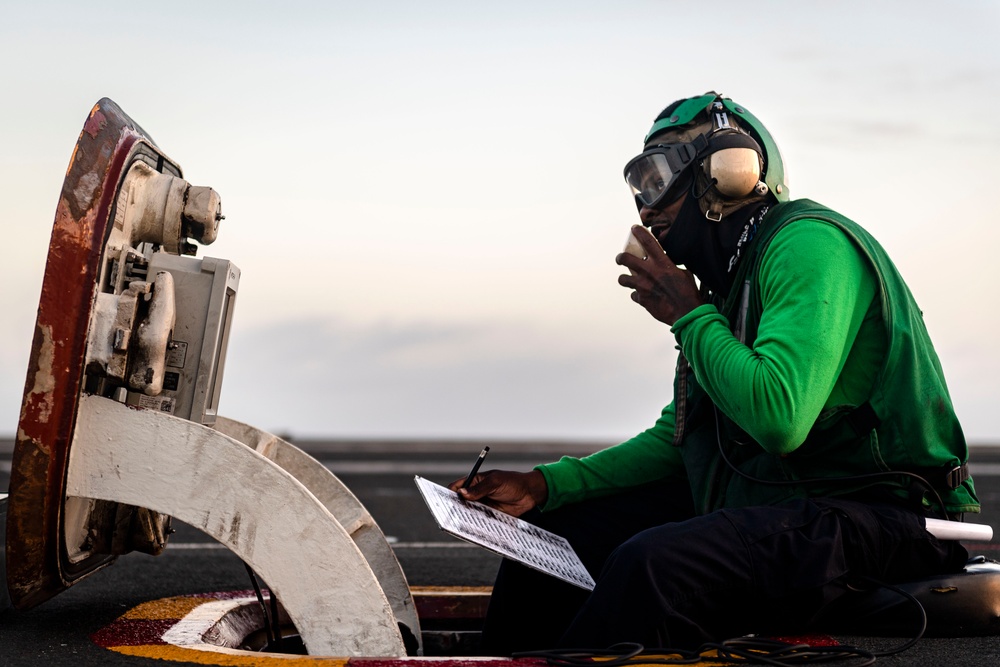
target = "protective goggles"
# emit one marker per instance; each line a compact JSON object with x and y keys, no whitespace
{"x":660,"y":175}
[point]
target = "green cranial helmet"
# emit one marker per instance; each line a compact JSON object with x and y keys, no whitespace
{"x":709,"y":125}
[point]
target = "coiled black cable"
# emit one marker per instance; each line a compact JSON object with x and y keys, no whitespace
{"x":746,"y":650}
{"x":742,"y":651}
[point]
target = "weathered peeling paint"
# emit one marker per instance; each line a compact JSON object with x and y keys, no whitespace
{"x":85,"y":188}
{"x":97,"y":122}
{"x":44,"y":383}
{"x":23,"y":577}
{"x":36,"y":563}
{"x":72,"y":159}
{"x":68,"y":231}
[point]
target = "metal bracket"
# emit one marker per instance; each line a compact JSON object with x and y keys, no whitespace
{"x":254,"y":506}
{"x":344,"y":505}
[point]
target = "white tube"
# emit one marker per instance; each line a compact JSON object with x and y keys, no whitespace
{"x":955,"y":530}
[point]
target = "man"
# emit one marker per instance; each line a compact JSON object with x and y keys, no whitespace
{"x":810,"y":435}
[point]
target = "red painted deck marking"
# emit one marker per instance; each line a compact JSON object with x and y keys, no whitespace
{"x":812,"y":640}
{"x":132,"y":632}
{"x":139,"y":632}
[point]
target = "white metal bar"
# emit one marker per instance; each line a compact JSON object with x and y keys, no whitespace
{"x":260,"y":511}
{"x":344,"y":505}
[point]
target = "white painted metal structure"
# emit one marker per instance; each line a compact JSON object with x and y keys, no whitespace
{"x":121,"y":406}
{"x":274,"y":506}
{"x":343,"y":505}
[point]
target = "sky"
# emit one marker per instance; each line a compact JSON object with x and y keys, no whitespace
{"x":425,"y":199}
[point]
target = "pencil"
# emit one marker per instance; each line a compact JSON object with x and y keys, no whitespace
{"x":475,"y":467}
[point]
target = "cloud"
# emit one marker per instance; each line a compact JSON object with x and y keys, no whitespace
{"x":417,"y":379}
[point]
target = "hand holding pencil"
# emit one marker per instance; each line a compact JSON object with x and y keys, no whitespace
{"x":510,"y":492}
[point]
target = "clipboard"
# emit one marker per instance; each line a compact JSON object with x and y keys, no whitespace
{"x":503,"y":534}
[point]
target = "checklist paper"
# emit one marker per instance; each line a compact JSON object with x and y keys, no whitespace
{"x":504,"y":534}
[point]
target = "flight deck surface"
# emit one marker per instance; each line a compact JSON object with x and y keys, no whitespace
{"x":70,"y":628}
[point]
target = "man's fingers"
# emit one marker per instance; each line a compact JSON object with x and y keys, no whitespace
{"x":641,"y":270}
{"x":628,"y":280}
{"x":482,"y":485}
{"x":629,"y":261}
{"x":457,"y":485}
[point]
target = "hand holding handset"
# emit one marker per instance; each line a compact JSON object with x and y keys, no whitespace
{"x":633,"y":247}
{"x":663,"y":288}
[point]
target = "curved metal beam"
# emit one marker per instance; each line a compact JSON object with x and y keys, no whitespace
{"x":344,"y":505}
{"x":247,"y":502}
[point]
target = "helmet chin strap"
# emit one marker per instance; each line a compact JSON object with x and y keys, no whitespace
{"x":713,"y":207}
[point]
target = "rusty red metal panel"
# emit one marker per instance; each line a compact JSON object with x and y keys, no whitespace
{"x":451,"y":603}
{"x":36,"y":565}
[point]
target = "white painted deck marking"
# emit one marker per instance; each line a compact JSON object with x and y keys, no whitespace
{"x":208,"y":546}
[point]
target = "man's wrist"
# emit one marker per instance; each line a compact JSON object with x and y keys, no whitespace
{"x":538,"y":488}
{"x":692,"y":315}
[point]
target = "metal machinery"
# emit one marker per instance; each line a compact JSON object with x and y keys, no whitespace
{"x":119,"y":429}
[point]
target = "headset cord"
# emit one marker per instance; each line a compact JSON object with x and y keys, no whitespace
{"x":742,"y":651}
{"x":272,"y":624}
{"x":850,"y":478}
{"x":749,"y":650}
{"x":821,"y":480}
{"x":916,"y":603}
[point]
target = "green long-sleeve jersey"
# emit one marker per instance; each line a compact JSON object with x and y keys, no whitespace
{"x":817,"y":353}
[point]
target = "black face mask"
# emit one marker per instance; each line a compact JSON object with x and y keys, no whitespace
{"x":711,"y":250}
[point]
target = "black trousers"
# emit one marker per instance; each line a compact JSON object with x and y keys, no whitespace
{"x":666,"y":578}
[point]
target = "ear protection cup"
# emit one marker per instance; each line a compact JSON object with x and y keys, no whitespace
{"x":736,"y":171}
{"x":731,"y":172}
{"x":735,"y":160}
